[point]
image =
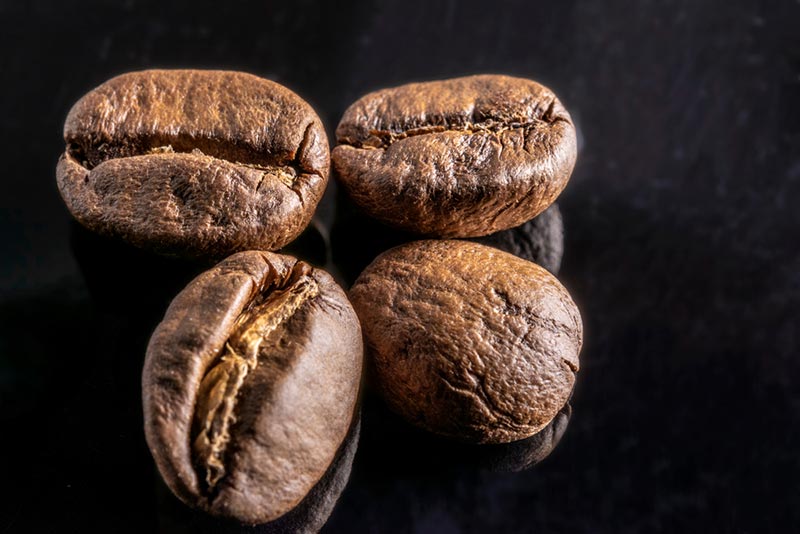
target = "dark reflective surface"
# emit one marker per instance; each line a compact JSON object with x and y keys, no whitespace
{"x":540,"y":240}
{"x":124,"y":280}
{"x":680,"y":250}
{"x":392,"y":447}
{"x":312,"y":245}
{"x":128,"y":282}
{"x":356,"y":239}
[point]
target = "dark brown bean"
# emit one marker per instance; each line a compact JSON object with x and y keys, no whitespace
{"x":468,"y":341}
{"x":195,"y":163}
{"x":456,"y":158}
{"x":249,"y":385}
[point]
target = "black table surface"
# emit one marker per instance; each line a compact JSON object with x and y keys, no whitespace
{"x":681,"y":251}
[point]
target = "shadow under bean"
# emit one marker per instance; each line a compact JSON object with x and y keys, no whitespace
{"x":413,"y":450}
{"x":356,"y":240}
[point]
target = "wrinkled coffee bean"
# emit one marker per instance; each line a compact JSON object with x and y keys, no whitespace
{"x":456,"y":158}
{"x":468,"y":341}
{"x":193,"y":163}
{"x":540,"y":240}
{"x":250,"y":384}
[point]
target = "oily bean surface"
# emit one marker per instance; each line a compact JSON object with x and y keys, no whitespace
{"x":250,"y":385}
{"x":463,"y":157}
{"x":193,"y":162}
{"x":468,"y":341}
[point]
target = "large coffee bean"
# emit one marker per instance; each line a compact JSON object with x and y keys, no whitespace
{"x":468,"y":341}
{"x":456,"y":158}
{"x":250,"y":384}
{"x":194,"y":163}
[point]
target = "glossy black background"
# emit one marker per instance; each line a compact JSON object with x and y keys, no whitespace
{"x":681,"y":251}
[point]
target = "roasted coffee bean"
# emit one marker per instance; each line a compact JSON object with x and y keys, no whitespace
{"x":250,"y":384}
{"x":540,"y":240}
{"x":457,"y":158}
{"x":468,"y":341}
{"x":193,"y":163}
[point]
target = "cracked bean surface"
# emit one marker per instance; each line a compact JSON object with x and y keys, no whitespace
{"x":250,"y":385}
{"x":468,"y":341}
{"x":192,"y":162}
{"x":463,"y":157}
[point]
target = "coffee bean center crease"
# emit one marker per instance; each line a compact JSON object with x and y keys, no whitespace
{"x":218,"y":393}
{"x":382,"y":138}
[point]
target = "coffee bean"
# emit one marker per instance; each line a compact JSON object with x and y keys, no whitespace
{"x":540,"y":240}
{"x":457,"y":158}
{"x":249,"y":385}
{"x":468,"y":341}
{"x":193,"y":163}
